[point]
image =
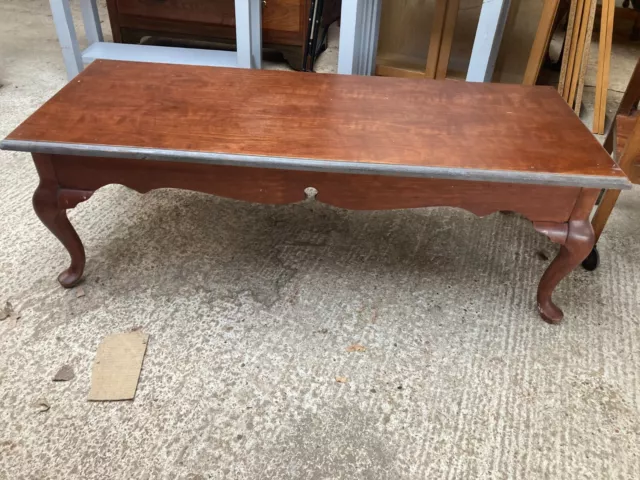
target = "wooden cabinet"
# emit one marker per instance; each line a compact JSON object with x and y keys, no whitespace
{"x":284,"y":22}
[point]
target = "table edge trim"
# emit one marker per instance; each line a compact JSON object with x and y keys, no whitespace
{"x":329,"y":166}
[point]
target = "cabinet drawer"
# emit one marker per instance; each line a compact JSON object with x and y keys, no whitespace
{"x":281,"y":15}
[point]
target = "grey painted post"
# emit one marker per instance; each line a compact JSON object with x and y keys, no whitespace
{"x":369,"y":47}
{"x":349,"y":34}
{"x":256,"y":33}
{"x":91,"y":20}
{"x":359,"y":27}
{"x":63,"y":22}
{"x":249,"y":33}
{"x":486,"y":45}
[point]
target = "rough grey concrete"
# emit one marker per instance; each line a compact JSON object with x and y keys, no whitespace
{"x":250,"y":309}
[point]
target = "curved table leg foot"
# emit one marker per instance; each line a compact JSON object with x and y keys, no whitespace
{"x":577,"y":246}
{"x":71,"y":276}
{"x":45,"y":203}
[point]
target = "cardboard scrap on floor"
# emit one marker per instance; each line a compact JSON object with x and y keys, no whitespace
{"x":116,"y":368}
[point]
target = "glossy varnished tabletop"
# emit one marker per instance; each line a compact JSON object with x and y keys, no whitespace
{"x":424,"y":128}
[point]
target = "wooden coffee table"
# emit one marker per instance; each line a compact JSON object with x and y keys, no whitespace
{"x":364,"y":143}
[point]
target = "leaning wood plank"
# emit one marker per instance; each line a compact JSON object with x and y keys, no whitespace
{"x":435,"y":40}
{"x":117,"y":366}
{"x":606,"y":70}
{"x":607,"y":61}
{"x":606,"y":65}
{"x":577,"y":65}
{"x":447,"y":38}
{"x":575,"y":33}
{"x":585,"y":57}
{"x":541,"y":41}
{"x":567,"y":46}
{"x":601,"y":60}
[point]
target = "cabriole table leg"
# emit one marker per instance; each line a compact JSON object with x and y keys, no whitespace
{"x":576,"y":239}
{"x":51,"y":208}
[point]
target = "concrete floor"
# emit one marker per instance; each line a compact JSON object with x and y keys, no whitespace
{"x":250,"y":309}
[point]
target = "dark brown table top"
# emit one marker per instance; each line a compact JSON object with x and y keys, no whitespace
{"x":438,"y":129}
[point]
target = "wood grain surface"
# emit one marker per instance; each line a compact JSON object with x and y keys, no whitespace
{"x":512,"y":128}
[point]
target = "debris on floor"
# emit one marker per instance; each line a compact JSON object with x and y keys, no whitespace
{"x":8,"y":313}
{"x":64,"y":374}
{"x":341,"y":379}
{"x":13,"y":321}
{"x":41,"y":405}
{"x":356,"y":347}
{"x":7,"y":444}
{"x":79,"y":292}
{"x":116,"y":368}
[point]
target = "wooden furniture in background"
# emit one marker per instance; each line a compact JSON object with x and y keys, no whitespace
{"x":443,"y":26}
{"x":378,"y":143}
{"x":477,"y":47}
{"x":628,"y":107}
{"x":411,"y":39}
{"x":284,"y":22}
{"x":628,"y":135}
{"x":623,"y":142}
{"x":631,"y":10}
{"x":626,"y":128}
